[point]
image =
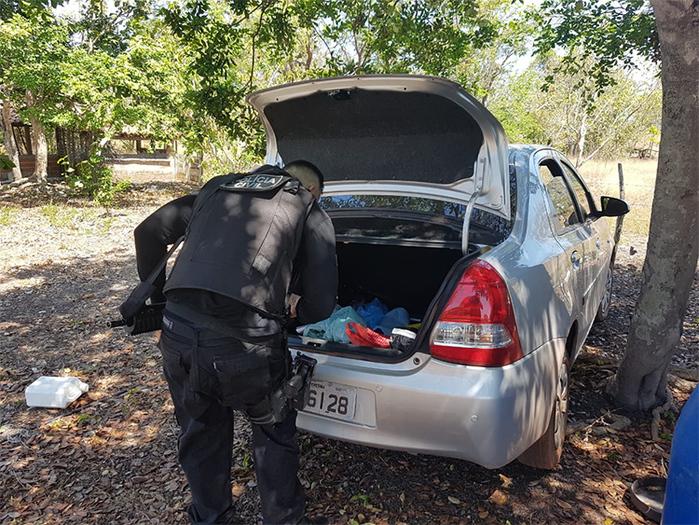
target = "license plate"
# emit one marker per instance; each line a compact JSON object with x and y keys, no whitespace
{"x":332,"y":400}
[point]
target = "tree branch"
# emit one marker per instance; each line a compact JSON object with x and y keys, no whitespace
{"x":616,"y":123}
{"x":254,"y":45}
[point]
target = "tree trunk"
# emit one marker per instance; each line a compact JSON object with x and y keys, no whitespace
{"x":39,"y":143}
{"x":10,"y":144}
{"x":671,"y":259}
{"x":582,"y":135}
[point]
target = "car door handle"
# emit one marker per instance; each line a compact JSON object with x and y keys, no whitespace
{"x":575,"y":259}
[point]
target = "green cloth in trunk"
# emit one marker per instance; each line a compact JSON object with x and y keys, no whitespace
{"x":333,"y":328}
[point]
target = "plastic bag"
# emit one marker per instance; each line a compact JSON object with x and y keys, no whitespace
{"x":333,"y":328}
{"x":372,"y":312}
{"x":396,"y":318}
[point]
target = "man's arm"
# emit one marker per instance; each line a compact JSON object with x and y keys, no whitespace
{"x":160,"y":229}
{"x":318,"y":268}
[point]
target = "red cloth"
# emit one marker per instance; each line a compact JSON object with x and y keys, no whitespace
{"x":362,"y":336}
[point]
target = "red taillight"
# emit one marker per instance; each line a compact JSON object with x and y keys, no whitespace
{"x":477,"y":326}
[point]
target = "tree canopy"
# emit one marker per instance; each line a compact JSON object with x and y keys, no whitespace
{"x":181,"y":71}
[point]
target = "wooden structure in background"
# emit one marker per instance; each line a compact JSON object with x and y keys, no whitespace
{"x":139,"y":158}
{"x":27,"y":159}
{"x":131,"y":156}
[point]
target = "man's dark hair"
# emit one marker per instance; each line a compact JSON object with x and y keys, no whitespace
{"x":304,"y":165}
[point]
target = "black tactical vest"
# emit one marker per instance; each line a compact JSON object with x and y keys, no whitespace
{"x":243,"y":237}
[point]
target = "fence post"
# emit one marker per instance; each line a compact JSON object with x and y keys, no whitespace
{"x":619,"y":220}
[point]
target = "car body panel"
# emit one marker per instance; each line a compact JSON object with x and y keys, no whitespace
{"x":474,"y":158}
{"x":430,"y":407}
{"x":484,"y":415}
{"x":420,"y":404}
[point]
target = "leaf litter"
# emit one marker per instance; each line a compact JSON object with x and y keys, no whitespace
{"x":112,"y":454}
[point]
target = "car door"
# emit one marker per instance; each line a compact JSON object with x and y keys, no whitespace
{"x":570,"y":233}
{"x":597,"y":244}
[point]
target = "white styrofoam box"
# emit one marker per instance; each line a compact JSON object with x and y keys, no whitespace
{"x":54,"y":392}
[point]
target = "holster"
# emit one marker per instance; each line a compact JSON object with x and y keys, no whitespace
{"x":292,"y":394}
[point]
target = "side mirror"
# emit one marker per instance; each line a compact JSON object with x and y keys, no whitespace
{"x":612,"y":207}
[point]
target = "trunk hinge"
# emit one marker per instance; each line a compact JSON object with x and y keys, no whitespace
{"x":477,"y":191}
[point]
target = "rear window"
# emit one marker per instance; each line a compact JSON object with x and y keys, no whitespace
{"x":382,"y":202}
{"x":419,"y":205}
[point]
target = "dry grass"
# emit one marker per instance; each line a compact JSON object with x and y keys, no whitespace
{"x":639,"y":183}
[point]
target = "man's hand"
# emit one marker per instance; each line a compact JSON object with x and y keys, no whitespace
{"x":293,"y":302}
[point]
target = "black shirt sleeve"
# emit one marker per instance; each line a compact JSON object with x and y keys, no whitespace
{"x":317,"y":269}
{"x":160,"y":229}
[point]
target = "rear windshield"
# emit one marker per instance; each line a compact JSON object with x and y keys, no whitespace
{"x":419,"y":205}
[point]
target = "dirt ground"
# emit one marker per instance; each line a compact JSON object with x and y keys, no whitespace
{"x":110,"y":457}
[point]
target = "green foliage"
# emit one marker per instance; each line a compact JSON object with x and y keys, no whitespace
{"x":361,"y":498}
{"x":181,"y":72}
{"x":485,"y":69}
{"x":5,"y":162}
{"x":59,"y":216}
{"x":109,"y":27}
{"x":216,"y":35}
{"x":6,"y":216}
{"x":517,"y":108}
{"x":377,"y":36}
{"x":83,"y":419}
{"x":141,"y":89}
{"x":33,"y":51}
{"x":612,"y":34}
{"x":573,"y":116}
{"x":93,"y":178}
{"x":9,"y":8}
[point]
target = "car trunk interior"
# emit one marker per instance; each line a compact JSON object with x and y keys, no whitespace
{"x":407,"y":276}
{"x":399,"y":275}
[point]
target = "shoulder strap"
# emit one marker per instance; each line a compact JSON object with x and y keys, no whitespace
{"x":163,"y":262}
{"x":137,"y":298}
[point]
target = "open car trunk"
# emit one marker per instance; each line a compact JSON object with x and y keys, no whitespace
{"x":413,"y":136}
{"x":381,"y":138}
{"x":407,"y":276}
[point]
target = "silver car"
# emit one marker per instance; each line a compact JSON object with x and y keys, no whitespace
{"x":500,"y":254}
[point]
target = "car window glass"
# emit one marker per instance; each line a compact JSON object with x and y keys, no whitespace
{"x":579,"y":190}
{"x":422,"y":205}
{"x":430,"y":207}
{"x":564,"y":212}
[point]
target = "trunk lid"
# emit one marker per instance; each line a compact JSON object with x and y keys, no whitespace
{"x":412,"y":136}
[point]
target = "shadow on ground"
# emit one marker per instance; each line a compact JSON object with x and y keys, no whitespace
{"x":111,"y":456}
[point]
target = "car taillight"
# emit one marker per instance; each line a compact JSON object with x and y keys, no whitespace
{"x":477,"y":326}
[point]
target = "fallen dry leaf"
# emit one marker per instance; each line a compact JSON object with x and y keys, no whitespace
{"x":564,"y":504}
{"x":506,"y":482}
{"x":58,"y":287}
{"x":498,"y":497}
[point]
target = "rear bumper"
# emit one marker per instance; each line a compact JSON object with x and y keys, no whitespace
{"x":488,"y":416}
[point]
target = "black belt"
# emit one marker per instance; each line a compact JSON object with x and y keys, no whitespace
{"x":219,"y":327}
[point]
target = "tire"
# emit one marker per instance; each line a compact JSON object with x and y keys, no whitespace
{"x":546,"y":452}
{"x":606,"y":303}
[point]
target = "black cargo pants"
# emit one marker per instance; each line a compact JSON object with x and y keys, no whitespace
{"x":196,"y":362}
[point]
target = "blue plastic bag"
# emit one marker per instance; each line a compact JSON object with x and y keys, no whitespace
{"x":396,"y":318}
{"x":372,"y":312}
{"x":333,"y":328}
